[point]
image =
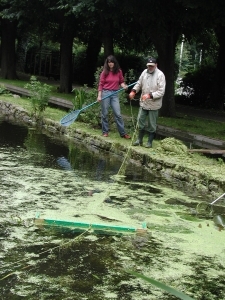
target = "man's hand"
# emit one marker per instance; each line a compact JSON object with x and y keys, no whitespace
{"x":132,"y":94}
{"x":146,"y":96}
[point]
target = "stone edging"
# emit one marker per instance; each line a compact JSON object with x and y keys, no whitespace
{"x":171,"y":170}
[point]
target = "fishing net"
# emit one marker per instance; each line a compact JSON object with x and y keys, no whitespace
{"x":69,"y":118}
{"x":204,"y":209}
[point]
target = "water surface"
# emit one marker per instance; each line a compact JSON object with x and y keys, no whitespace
{"x":43,"y":176}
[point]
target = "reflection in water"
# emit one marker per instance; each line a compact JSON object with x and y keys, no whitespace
{"x":64,"y":163}
{"x":49,"y":152}
{"x":12,"y":135}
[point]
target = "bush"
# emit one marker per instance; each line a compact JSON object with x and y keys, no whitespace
{"x":39,"y":95}
{"x":196,"y":87}
{"x":3,"y":90}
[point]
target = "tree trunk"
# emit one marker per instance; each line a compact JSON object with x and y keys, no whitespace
{"x":107,"y":38}
{"x":92,"y":52}
{"x":166,"y":65}
{"x":21,"y":53}
{"x":165,"y":46}
{"x":218,"y":91}
{"x":66,"y":61}
{"x":8,"y":55}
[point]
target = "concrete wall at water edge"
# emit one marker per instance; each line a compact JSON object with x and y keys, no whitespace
{"x":168,"y":166}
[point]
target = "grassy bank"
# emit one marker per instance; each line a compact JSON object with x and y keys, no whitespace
{"x":182,"y":121}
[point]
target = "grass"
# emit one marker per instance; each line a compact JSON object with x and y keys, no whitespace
{"x":21,"y":84}
{"x":195,"y":125}
{"x":182,"y":122}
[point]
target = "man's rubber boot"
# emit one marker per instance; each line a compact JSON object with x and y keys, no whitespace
{"x":150,"y":140}
{"x":139,"y":141}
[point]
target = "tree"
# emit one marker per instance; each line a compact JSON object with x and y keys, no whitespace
{"x":162,"y":21}
{"x":92,"y":52}
{"x":18,"y":14}
{"x":69,"y":15}
{"x":133,"y":25}
{"x":8,"y":54}
{"x":66,"y":43}
{"x":9,"y":22}
{"x":210,"y":15}
{"x":218,"y":90}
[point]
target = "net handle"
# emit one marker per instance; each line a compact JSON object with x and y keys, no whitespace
{"x":217,"y":199}
{"x":72,"y":116}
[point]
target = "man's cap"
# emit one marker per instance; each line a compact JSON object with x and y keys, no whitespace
{"x":151,"y":61}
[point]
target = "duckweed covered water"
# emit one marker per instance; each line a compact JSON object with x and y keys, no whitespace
{"x":41,"y":175}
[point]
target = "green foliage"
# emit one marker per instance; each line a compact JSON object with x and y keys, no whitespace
{"x":220,"y":161}
{"x":3,"y":90}
{"x":134,"y":61}
{"x":199,"y":50}
{"x":185,"y":57}
{"x":130,"y":76}
{"x":137,"y":62}
{"x":39,"y":95}
{"x":196,"y":87}
{"x":80,"y":95}
{"x":85,"y":96}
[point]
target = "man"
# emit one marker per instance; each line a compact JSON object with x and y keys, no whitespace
{"x":152,"y":83}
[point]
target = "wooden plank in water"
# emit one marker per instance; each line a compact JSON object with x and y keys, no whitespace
{"x":86,"y":225}
{"x":210,"y":151}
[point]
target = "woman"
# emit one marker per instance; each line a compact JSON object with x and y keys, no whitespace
{"x":110,"y":80}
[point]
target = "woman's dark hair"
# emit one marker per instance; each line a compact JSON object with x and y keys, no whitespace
{"x":116,"y":66}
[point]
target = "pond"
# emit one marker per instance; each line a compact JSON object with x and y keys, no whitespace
{"x":44,"y":177}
